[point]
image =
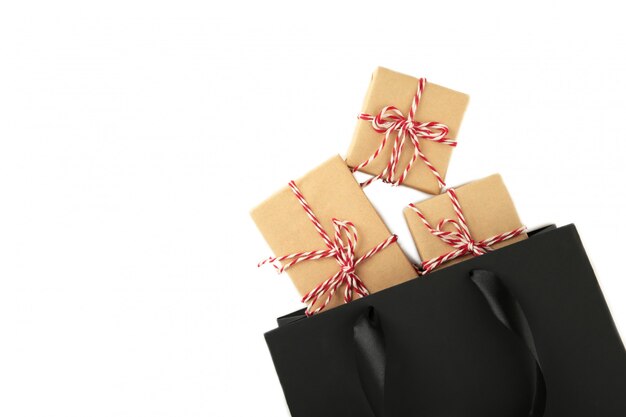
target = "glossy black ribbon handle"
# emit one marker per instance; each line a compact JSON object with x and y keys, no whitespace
{"x":508,"y":312}
{"x":370,"y":343}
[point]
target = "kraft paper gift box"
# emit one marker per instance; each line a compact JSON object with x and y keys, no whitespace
{"x":445,"y":352}
{"x":437,"y":104}
{"x":487,"y":208}
{"x":332,"y":192}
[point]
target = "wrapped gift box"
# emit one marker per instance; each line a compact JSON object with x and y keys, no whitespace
{"x":332,"y":193}
{"x":488,"y":211}
{"x":437,"y":104}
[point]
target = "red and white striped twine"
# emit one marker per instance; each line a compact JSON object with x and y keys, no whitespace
{"x":390,"y":120}
{"x":460,"y":239}
{"x":342,"y":250}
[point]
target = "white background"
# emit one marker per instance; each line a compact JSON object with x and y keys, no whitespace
{"x":135,"y":137}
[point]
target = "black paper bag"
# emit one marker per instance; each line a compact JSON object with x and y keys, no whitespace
{"x":445,"y":352}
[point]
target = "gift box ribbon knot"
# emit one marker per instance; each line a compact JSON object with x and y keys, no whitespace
{"x":390,"y":120}
{"x":341,"y":247}
{"x":460,"y":238}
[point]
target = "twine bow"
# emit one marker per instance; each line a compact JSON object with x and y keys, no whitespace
{"x":342,"y":247}
{"x":460,"y":238}
{"x":391,"y":120}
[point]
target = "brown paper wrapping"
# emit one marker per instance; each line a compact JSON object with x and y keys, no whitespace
{"x":438,"y":104}
{"x":332,"y":192}
{"x":487,"y":207}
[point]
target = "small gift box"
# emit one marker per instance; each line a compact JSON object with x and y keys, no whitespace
{"x":406,"y":131}
{"x":329,"y":238}
{"x":471,"y":220}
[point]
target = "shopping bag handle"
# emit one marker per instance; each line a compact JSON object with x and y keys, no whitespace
{"x":369,"y":342}
{"x":371,"y":360}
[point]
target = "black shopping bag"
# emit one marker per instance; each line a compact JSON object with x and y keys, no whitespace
{"x":446,"y":351}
